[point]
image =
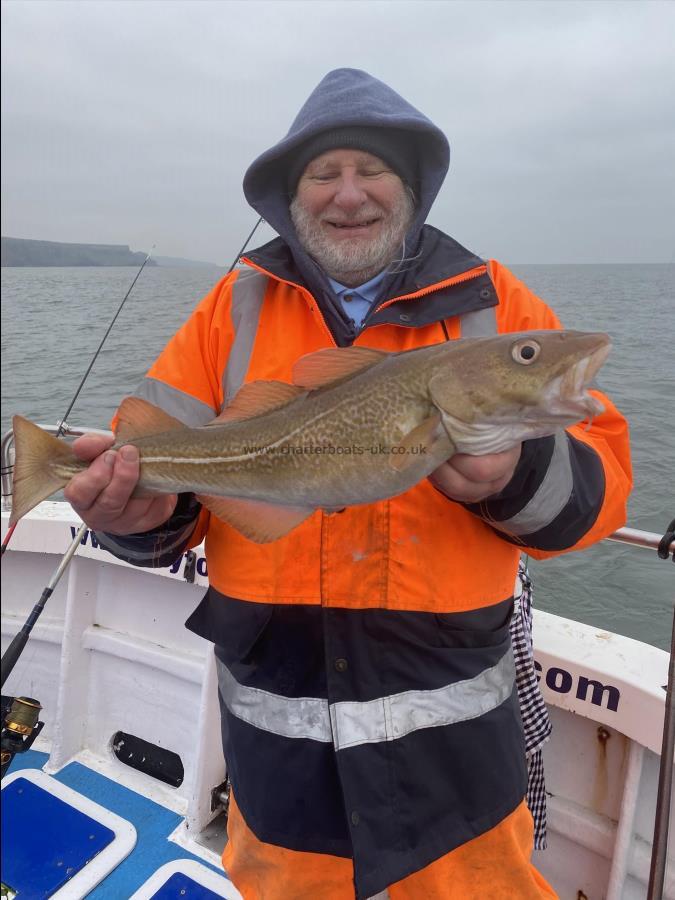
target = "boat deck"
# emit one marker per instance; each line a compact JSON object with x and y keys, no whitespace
{"x":110,"y":655}
{"x":145,"y":849}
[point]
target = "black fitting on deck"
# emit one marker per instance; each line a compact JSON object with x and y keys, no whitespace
{"x":666,"y":541}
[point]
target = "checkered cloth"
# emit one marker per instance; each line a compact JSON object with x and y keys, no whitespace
{"x":536,"y":723}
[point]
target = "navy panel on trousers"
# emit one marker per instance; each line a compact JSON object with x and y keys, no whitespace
{"x":419,"y":797}
{"x":395,"y":804}
{"x":287,"y":789}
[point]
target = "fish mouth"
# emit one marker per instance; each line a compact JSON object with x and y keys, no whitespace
{"x":560,"y":402}
{"x":567,"y":396}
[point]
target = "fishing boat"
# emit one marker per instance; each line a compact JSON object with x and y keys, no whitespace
{"x":121,"y":792}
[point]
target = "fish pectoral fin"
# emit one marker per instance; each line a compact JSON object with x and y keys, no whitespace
{"x":258,"y":397}
{"x":258,"y":521}
{"x":137,"y":418}
{"x":421,"y":440}
{"x":323,"y":367}
{"x":447,"y":394}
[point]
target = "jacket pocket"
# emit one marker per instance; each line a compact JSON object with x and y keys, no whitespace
{"x":234,"y":626}
{"x":486,"y":627}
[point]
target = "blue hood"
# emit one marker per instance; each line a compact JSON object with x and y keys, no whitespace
{"x":346,"y":97}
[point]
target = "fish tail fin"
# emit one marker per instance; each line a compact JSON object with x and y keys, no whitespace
{"x":34,"y":480}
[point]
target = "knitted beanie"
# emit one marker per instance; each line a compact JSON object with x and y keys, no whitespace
{"x":392,"y":145}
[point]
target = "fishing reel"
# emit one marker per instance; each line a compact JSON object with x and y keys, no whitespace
{"x":20,"y":727}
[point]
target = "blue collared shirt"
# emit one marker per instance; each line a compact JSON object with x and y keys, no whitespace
{"x":357,"y":301}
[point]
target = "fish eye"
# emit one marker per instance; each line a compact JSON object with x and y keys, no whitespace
{"x":525,"y":352}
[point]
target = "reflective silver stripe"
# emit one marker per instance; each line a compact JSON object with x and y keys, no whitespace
{"x":348,"y":724}
{"x":248,"y":293}
{"x":390,"y":718}
{"x":551,"y":495}
{"x":479,"y":323}
{"x":177,"y":403}
{"x":293,"y":717}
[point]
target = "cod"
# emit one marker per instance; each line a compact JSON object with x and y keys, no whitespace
{"x":357,"y":425}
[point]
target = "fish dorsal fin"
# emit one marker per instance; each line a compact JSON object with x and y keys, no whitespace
{"x":258,"y":521}
{"x":138,"y":418}
{"x":324,"y":367}
{"x":257,"y":397}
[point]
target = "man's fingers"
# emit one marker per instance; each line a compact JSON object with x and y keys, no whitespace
{"x":89,"y":446}
{"x":115,"y":495}
{"x":454,"y":485}
{"x":107,"y":484}
{"x":485,"y":469}
{"x":83,"y":489}
{"x":143,"y":515}
{"x":470,"y":479}
{"x":102,"y":495}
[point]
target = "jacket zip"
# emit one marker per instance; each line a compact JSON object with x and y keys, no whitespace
{"x":423,"y":292}
{"x":449,"y":282}
{"x":299,"y":287}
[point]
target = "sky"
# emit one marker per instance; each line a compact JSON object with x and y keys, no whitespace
{"x":133,"y":121}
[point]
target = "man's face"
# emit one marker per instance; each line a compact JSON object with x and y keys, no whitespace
{"x":351,"y":213}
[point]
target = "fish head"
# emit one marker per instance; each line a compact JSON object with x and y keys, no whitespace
{"x":500,"y":391}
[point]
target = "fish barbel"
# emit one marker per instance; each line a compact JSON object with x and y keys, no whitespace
{"x":356,"y":426}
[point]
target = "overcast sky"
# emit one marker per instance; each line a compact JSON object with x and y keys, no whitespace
{"x":133,"y":121}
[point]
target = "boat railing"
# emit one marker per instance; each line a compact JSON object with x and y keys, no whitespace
{"x":648,"y":540}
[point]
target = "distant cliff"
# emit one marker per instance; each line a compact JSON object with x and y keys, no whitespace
{"x":20,"y":252}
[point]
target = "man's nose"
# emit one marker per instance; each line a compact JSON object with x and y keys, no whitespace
{"x":350,"y":192}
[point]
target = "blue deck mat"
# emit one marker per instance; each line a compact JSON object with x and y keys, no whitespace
{"x":153,"y":823}
{"x":45,"y":841}
{"x":182,"y":887}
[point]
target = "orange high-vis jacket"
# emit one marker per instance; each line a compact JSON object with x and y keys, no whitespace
{"x":396,"y":553}
{"x":366,"y":676}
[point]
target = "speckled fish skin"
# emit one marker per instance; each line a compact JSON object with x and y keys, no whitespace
{"x":354,"y":441}
{"x":358,"y":423}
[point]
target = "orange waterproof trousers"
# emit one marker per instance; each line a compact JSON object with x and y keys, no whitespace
{"x":494,"y":866}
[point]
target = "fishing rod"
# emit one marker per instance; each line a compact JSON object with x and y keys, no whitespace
{"x":657,"y":870}
{"x":245,"y":245}
{"x":62,"y":423}
{"x":13,"y":652}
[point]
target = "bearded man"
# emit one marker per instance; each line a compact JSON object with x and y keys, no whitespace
{"x":404,"y":603}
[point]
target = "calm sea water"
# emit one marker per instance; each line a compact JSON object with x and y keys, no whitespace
{"x":53,"y":320}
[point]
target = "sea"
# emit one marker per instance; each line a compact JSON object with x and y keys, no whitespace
{"x":53,"y":319}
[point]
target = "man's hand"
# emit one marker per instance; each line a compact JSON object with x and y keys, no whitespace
{"x":101,"y":495}
{"x":469,"y":479}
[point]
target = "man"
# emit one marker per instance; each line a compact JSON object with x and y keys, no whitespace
{"x":370,"y":724}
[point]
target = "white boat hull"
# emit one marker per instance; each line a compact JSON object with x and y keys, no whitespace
{"x":110,"y":654}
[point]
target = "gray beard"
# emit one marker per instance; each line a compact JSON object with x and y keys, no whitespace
{"x":353,"y":262}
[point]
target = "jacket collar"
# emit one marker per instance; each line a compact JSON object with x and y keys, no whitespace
{"x":422,"y":286}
